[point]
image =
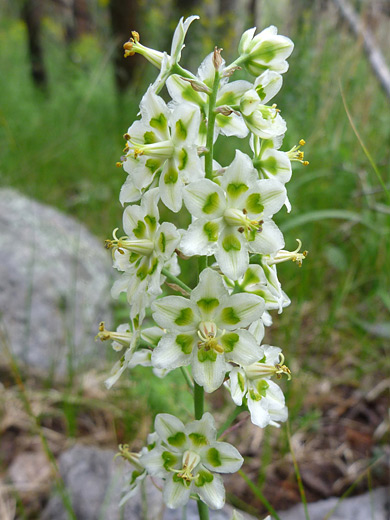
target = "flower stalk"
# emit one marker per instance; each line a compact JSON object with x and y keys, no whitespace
{"x":213,"y":332}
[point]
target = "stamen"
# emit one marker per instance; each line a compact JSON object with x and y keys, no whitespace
{"x":284,"y":256}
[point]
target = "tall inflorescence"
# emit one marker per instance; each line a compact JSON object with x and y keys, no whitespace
{"x":213,"y":332}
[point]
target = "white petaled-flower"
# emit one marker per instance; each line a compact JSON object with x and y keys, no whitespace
{"x":264,"y":283}
{"x":128,"y":336}
{"x":142,"y":253}
{"x":265,"y":399}
{"x":207,"y":330}
{"x":266,"y":50}
{"x":234,"y":218}
{"x":228,"y":94}
{"x":165,"y":62}
{"x":161,"y":150}
{"x":189,"y":459}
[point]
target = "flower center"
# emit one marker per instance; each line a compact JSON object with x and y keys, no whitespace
{"x":238,"y":218}
{"x":207,"y":333}
{"x":190,"y":461}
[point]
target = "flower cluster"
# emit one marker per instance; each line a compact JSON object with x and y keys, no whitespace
{"x":217,"y":327}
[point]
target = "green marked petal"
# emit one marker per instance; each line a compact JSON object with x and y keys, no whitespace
{"x":185,"y":317}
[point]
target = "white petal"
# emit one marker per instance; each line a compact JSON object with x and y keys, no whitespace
{"x":227,"y":460}
{"x":175,"y":313}
{"x":181,"y":90}
{"x":129,"y":192}
{"x":175,"y":494}
{"x":171,"y":186}
{"x":167,"y":239}
{"x":204,"y":199}
{"x":265,"y":198}
{"x":240,"y":172}
{"x":246,"y":350}
{"x":269,"y":240}
{"x":257,"y":329}
{"x":237,"y":385}
{"x":209,"y":293}
{"x":232,"y":125}
{"x":209,"y":374}
{"x":184,"y":122}
{"x":232,"y":253}
{"x":275,"y":164}
{"x":205,"y":427}
{"x":179,"y":36}
{"x":201,"y":237}
{"x":271,"y":82}
{"x":240,"y":310}
{"x":259,"y":416}
{"x":213,"y":493}
{"x":149,"y":203}
{"x":169,"y":353}
{"x":153,"y":462}
{"x":167,"y":426}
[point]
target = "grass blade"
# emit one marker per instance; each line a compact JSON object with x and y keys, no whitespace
{"x":365,"y":150}
{"x":256,"y":491}
{"x":297,"y":474}
{"x":323,"y":214}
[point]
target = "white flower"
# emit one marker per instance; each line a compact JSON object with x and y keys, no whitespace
{"x":158,"y":58}
{"x":266,"y":50}
{"x":207,"y":330}
{"x":262,"y":281}
{"x":161,"y":146}
{"x":189,"y":459}
{"x":137,"y":475}
{"x":264,"y":121}
{"x":229,"y":94}
{"x":128,"y":336}
{"x":142,"y":253}
{"x":234,"y":218}
{"x":265,"y":399}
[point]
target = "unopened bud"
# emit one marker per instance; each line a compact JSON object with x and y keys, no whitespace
{"x":226,"y":110}
{"x":217,"y":58}
{"x":198,"y":86}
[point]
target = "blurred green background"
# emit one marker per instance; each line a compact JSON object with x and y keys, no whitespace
{"x":62,"y":135}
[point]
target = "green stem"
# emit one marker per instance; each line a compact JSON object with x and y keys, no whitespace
{"x":203,"y":511}
{"x":210,"y":127}
{"x":187,"y":377}
{"x":175,"y":280}
{"x":198,"y":401}
{"x":177,"y":69}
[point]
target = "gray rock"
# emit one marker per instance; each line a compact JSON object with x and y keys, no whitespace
{"x":54,"y":285}
{"x":370,"y":506}
{"x":94,"y":482}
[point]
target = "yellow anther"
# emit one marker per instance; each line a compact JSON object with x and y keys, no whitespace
{"x":135,"y":35}
{"x":118,"y":164}
{"x":126,"y":136}
{"x":305,"y":163}
{"x":302,"y":142}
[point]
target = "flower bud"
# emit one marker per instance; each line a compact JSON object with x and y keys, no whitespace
{"x":266,"y":50}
